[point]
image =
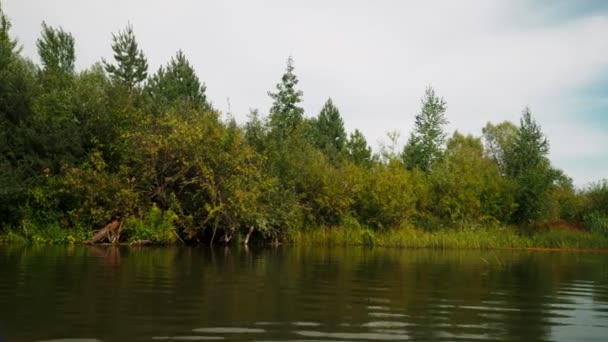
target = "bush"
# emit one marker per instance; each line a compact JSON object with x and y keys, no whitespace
{"x":51,"y":233}
{"x":155,"y":226}
{"x":597,"y":223}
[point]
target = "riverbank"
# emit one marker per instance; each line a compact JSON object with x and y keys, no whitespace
{"x":482,"y":238}
{"x":408,"y":237}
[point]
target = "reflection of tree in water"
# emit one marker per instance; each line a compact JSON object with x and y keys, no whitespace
{"x":424,"y":294}
{"x":530,"y":286}
{"x":109,"y":255}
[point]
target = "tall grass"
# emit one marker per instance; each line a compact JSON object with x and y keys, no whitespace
{"x":597,"y":223}
{"x":482,"y":238}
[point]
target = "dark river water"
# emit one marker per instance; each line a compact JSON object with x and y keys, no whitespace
{"x":80,"y":293}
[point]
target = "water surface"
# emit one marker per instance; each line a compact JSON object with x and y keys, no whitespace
{"x":93,"y":293}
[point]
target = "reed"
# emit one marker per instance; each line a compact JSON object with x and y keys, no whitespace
{"x":480,"y":238}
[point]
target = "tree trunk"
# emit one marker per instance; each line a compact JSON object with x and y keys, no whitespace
{"x":214,"y":231}
{"x":246,"y":241}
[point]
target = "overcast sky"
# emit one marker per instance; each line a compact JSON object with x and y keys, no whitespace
{"x":488,"y":59}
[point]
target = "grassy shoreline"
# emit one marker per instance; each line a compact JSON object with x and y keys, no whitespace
{"x":483,"y":238}
{"x":479,"y":238}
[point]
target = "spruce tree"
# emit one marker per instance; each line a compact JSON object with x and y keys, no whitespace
{"x":358,"y":150}
{"x":426,"y":144}
{"x":285,"y":113}
{"x":177,"y":82}
{"x":331,"y":136}
{"x":131,"y":65}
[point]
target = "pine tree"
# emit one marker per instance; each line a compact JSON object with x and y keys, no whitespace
{"x":177,"y":82}
{"x":56,"y":50}
{"x":331,"y":136}
{"x":131,"y":65}
{"x":285,"y":114}
{"x":358,"y":150}
{"x":426,"y":144}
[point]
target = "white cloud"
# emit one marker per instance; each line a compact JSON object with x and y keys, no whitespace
{"x":486,"y":58}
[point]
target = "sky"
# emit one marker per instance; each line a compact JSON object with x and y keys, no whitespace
{"x":488,"y":59}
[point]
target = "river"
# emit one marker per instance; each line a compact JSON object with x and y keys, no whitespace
{"x":107,"y":293}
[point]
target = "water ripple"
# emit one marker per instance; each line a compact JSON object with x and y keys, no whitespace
{"x":188,"y":338}
{"x":354,"y":336}
{"x":229,"y":330}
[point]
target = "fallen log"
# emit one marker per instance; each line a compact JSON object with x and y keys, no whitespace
{"x":111,"y":233}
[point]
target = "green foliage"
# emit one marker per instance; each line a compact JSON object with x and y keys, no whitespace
{"x":530,"y":147}
{"x":156,"y":226}
{"x":596,"y":223}
{"x":9,"y":45}
{"x":256,"y":131}
{"x":176,"y":83}
{"x":90,"y":196}
{"x":56,"y":50}
{"x":596,"y":212}
{"x":467,"y":186}
{"x":565,"y":203}
{"x":500,"y":141}
{"x":285,"y":113}
{"x":80,"y":150}
{"x":528,"y":166}
{"x":358,"y":150}
{"x":131,"y":65}
{"x":425,"y":145}
{"x":17,"y":80}
{"x":331,"y":136}
{"x":597,"y":196}
{"x":390,"y":196}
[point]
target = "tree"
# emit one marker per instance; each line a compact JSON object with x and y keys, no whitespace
{"x":285,"y":114}
{"x":17,"y":88}
{"x":389,"y":196}
{"x":255,"y":131}
{"x":530,"y":147}
{"x":467,"y":185}
{"x":177,"y":82}
{"x":499,"y":142}
{"x":17,"y":77}
{"x":358,"y":150}
{"x":8,"y":46}
{"x":55,"y":133}
{"x":528,"y":166}
{"x":331,"y":136}
{"x":131,"y":65}
{"x":56,"y":50}
{"x":425,"y":145}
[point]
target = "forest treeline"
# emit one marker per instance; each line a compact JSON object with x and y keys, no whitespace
{"x":120,"y":142}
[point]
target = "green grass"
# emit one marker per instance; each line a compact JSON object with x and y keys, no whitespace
{"x":482,"y":238}
{"x":43,"y":234}
{"x":354,"y":235}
